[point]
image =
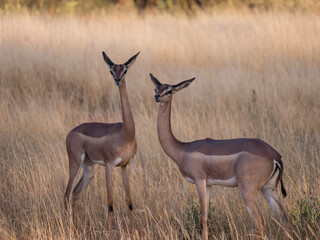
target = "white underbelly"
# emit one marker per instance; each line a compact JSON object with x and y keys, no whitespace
{"x":117,"y":162}
{"x":190,"y":180}
{"x":231,"y":182}
{"x":100,"y":162}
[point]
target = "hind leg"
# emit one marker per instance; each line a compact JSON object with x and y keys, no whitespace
{"x":251,"y":174}
{"x":89,"y":169}
{"x":250,"y":198}
{"x":248,"y":186}
{"x":273,"y":200}
{"x":269,"y":191}
{"x":74,"y":171}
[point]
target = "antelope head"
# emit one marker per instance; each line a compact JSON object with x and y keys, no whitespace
{"x":164,"y":92}
{"x":119,"y":71}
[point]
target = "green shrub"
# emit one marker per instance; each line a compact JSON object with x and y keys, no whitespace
{"x":306,"y":215}
{"x":191,"y":221}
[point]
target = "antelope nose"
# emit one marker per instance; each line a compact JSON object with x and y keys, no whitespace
{"x":117,"y":82}
{"x":157,"y":98}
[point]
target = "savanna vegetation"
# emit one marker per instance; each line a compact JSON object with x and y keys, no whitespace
{"x":188,"y":6}
{"x":257,"y":75}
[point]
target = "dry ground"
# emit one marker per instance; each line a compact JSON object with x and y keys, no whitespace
{"x":256,"y":76}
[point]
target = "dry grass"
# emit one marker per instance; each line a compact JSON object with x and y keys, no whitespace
{"x":256,"y":76}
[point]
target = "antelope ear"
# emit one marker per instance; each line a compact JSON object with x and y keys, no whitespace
{"x":107,"y":60}
{"x":131,"y":60}
{"x":182,"y":85}
{"x":154,"y":80}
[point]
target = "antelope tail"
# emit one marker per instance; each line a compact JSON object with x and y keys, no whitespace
{"x":283,"y":190}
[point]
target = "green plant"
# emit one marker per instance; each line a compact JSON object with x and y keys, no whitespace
{"x":191,"y":220}
{"x":306,"y":214}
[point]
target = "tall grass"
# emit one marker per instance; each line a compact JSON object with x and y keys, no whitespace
{"x":256,"y":76}
{"x":173,"y":6}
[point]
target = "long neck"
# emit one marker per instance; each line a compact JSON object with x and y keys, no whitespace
{"x":169,"y":143}
{"x":128,"y":129}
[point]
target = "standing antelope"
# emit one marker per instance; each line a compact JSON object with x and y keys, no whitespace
{"x":106,"y":144}
{"x":251,"y":164}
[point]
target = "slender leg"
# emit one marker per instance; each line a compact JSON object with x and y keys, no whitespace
{"x":208,"y":198}
{"x":208,"y":201}
{"x":89,"y":169}
{"x":125,"y":179}
{"x":250,"y":198}
{"x":201,"y":188}
{"x":273,"y":200}
{"x":74,"y":171}
{"x":109,"y":191}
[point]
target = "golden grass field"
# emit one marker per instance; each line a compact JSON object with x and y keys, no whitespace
{"x":257,"y":75}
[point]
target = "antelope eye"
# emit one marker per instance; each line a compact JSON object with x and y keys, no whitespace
{"x":155,"y":90}
{"x":112,"y":73}
{"x":125,"y":71}
{"x":169,"y":92}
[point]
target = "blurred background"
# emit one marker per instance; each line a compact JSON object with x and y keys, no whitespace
{"x":188,"y":6}
{"x":257,"y":69}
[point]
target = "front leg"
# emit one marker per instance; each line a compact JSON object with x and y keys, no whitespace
{"x":126,"y":185}
{"x":109,"y":191}
{"x":202,"y":191}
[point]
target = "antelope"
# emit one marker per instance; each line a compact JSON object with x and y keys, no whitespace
{"x":248,"y":163}
{"x":106,"y":144}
